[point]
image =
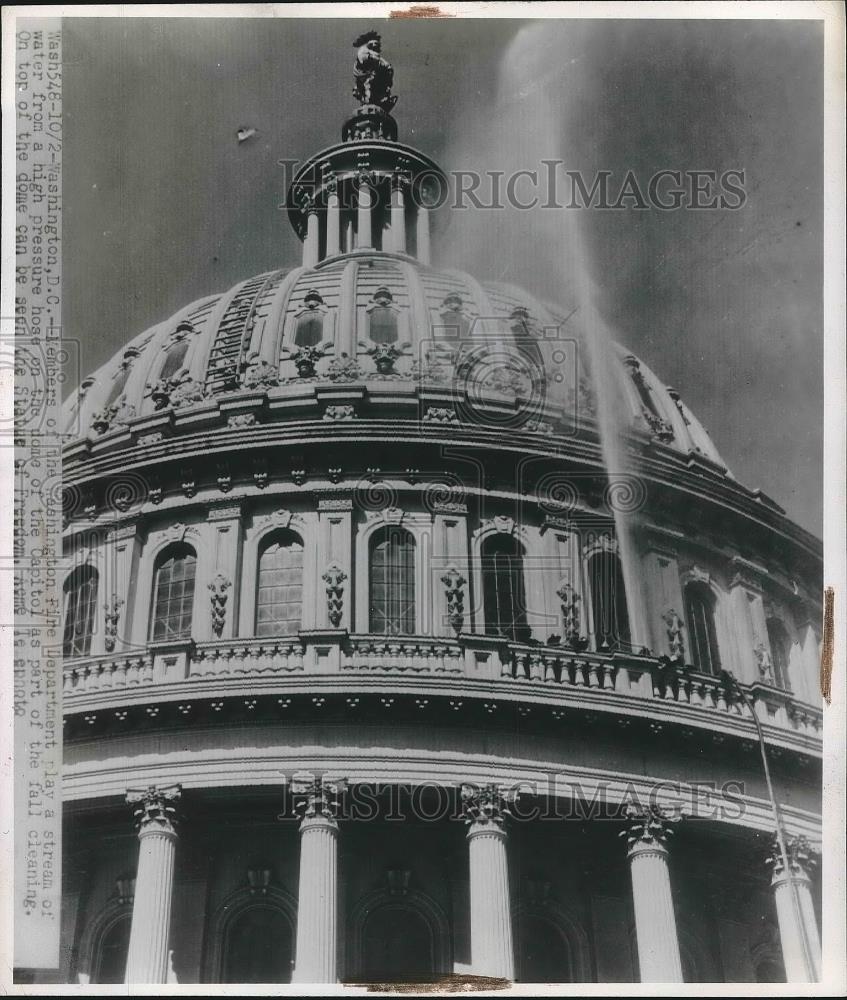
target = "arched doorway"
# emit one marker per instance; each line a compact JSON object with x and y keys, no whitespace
{"x":112,"y":951}
{"x":397,"y":945}
{"x":543,"y":955}
{"x":258,"y":946}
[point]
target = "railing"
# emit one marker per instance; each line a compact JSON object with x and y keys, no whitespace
{"x":505,"y":668}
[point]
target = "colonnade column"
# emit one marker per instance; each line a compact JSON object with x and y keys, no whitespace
{"x":795,"y":911}
{"x":492,"y":949}
{"x":155,"y":812}
{"x":333,"y":221}
{"x":398,"y":215}
{"x":364,"y":202}
{"x":647,"y":833}
{"x":316,"y":954}
{"x":311,"y":246}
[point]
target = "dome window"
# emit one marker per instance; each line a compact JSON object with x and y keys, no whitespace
{"x":504,"y":593}
{"x":310,"y":323}
{"x":780,"y":645}
{"x":392,"y":582}
{"x":608,"y":602}
{"x":702,"y":634}
{"x":455,"y":322}
{"x":173,"y":593}
{"x":382,"y":318}
{"x":279,"y":589}
{"x":80,"y":593}
{"x":176,"y":351}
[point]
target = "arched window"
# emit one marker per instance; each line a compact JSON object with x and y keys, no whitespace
{"x":397,"y":945}
{"x":608,"y":602}
{"x":543,"y":956}
{"x":112,"y":951}
{"x":780,"y":645}
{"x":80,"y":593}
{"x":279,"y":587}
{"x":258,"y":947}
{"x":504,"y":595}
{"x":700,"y":621}
{"x":392,"y":582}
{"x":173,"y":593}
{"x":382,"y":321}
{"x":174,"y":359}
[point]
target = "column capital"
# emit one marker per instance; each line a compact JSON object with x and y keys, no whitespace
{"x":155,"y":808}
{"x":317,"y":798}
{"x":802,"y":857}
{"x":648,"y":828}
{"x":486,"y":806}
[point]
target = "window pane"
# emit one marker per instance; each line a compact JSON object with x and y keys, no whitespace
{"x":504,"y":597}
{"x":608,"y":602}
{"x":392,"y":584}
{"x":702,"y":635}
{"x":383,"y":325}
{"x":174,"y":359}
{"x":778,"y":639}
{"x":80,"y":601}
{"x":279,"y":592}
{"x":174,"y":595}
{"x":309,"y":331}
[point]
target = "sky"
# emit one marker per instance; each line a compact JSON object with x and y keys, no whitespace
{"x":164,"y":205}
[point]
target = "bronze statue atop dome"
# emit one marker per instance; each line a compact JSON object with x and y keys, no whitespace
{"x":373,"y":75}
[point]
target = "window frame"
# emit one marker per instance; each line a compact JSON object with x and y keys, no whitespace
{"x":167,"y":552}
{"x":266,"y":541}
{"x":89,"y":572}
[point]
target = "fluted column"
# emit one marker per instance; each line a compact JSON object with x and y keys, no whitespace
{"x":311,"y":246}
{"x":333,"y":222}
{"x":364,"y":202}
{"x":155,"y":813}
{"x":422,"y":234}
{"x":316,"y":955}
{"x":398,"y":216}
{"x":795,"y":911}
{"x":492,"y":948}
{"x":647,"y":833}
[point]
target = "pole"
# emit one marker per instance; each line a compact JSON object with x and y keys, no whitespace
{"x":777,"y":815}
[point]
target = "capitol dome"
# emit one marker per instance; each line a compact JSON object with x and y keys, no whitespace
{"x":374,"y":315}
{"x":402,"y":666}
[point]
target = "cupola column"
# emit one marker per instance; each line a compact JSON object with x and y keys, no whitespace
{"x":492,"y":949}
{"x":647,"y":833}
{"x":155,"y":812}
{"x":422,"y":234}
{"x":795,"y":911}
{"x":398,"y":216}
{"x":333,"y":222}
{"x":364,"y":201}
{"x":316,"y":954}
{"x":311,"y":247}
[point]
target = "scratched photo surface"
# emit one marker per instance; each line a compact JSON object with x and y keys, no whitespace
{"x":442,"y":455}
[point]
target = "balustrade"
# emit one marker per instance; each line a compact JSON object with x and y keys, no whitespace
{"x":540,"y":668}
